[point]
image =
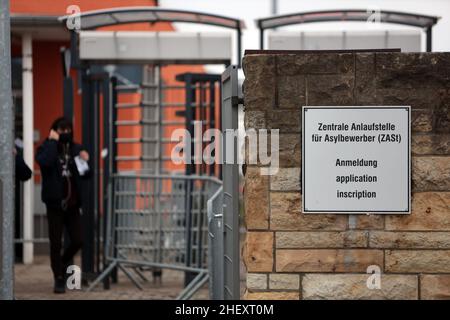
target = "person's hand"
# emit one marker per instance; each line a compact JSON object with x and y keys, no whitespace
{"x":53,"y":135}
{"x":84,"y":155}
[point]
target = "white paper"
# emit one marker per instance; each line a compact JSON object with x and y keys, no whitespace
{"x":82,"y":166}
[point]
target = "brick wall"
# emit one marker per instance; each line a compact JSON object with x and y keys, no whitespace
{"x":290,"y":255}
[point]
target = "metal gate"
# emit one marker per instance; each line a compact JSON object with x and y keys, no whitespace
{"x":159,"y":221}
{"x":158,"y":117}
{"x":97,"y":100}
{"x":106,"y":115}
{"x":148,"y":217}
{"x":130,"y":188}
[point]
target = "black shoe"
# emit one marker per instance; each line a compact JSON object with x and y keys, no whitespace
{"x":60,"y":286}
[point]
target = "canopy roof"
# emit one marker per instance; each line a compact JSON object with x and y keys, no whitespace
{"x":396,"y":17}
{"x":123,"y":15}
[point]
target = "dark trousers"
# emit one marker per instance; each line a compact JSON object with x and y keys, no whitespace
{"x":58,"y":219}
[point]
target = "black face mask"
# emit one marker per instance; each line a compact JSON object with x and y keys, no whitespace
{"x":66,"y":137}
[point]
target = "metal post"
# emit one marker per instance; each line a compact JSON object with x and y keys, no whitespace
{"x":107,"y":117}
{"x":429,"y":39}
{"x":160,"y":163}
{"x":97,"y":175}
{"x":230,"y":102}
{"x":74,"y":56}
{"x":28,"y":146}
{"x":274,"y":7}
{"x":239,"y":46}
{"x":219,"y":126}
{"x":212,"y":119}
{"x":6,"y":159}
{"x":87,"y":254}
{"x":113,"y":163}
{"x":188,"y":275}
{"x":190,"y":114}
{"x":113,"y":127}
{"x":216,"y":245}
{"x":202,"y":118}
{"x":190,"y":170}
{"x":261,"y":38}
{"x":67,"y":112}
{"x":67,"y":84}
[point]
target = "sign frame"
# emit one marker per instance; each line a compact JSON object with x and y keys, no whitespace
{"x":356,"y":212}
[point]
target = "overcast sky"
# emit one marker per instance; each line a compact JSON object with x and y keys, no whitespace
{"x":249,"y":10}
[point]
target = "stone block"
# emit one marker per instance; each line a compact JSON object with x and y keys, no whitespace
{"x":286,"y":214}
{"x":256,"y":281}
{"x":354,"y":287}
{"x":287,"y":179}
{"x":259,"y":252}
{"x":322,"y":239}
{"x":431,"y":173}
{"x":283,"y":281}
{"x":430,"y":211}
{"x":256,"y":199}
{"x":409,"y":240}
{"x":327,"y":260}
{"x":435,"y":287}
{"x":417,"y":261}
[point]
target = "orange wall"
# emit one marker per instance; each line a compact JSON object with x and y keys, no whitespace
{"x":58,"y":7}
{"x":47,"y":85}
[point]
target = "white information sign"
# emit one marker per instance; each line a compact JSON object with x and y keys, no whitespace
{"x":356,"y":159}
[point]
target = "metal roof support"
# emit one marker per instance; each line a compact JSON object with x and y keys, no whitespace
{"x":396,"y":17}
{"x":74,"y":54}
{"x":261,"y":38}
{"x":239,"y":47}
{"x":429,"y":33}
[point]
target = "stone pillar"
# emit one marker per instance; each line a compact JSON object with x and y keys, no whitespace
{"x":290,"y":255}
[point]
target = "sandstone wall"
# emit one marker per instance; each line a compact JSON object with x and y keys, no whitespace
{"x":290,"y":255}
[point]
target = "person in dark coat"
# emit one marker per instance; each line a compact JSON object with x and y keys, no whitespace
{"x":61,"y":193}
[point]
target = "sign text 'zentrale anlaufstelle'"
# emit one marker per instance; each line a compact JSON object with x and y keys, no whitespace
{"x":356,"y":159}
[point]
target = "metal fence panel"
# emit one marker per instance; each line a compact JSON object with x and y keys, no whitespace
{"x":215,"y":245}
{"x":152,"y":226}
{"x":230,"y":102}
{"x":151,"y":219}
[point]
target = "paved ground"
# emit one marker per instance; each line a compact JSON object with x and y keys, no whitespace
{"x":35,"y":282}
